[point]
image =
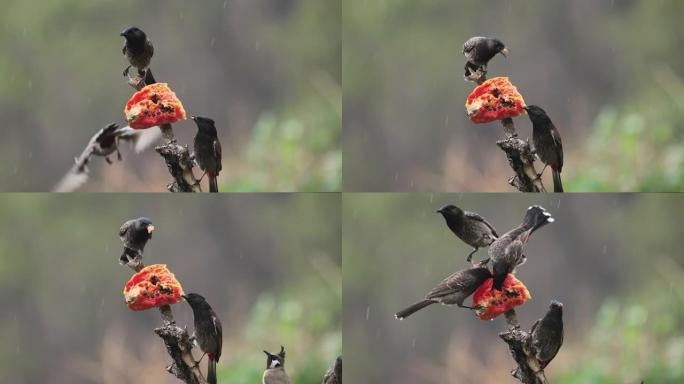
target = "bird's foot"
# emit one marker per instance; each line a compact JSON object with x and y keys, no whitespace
{"x":108,"y":160}
{"x":477,"y":76}
{"x":118,"y":155}
{"x":125,"y":71}
{"x":470,"y":256}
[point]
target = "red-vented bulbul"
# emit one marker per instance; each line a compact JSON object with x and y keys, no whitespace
{"x":452,"y":290}
{"x":134,"y":234}
{"x":334,"y":373}
{"x":479,"y":50}
{"x":137,"y":49}
{"x":546,"y":335}
{"x":547,"y":144}
{"x":469,"y":227}
{"x":208,"y":332}
{"x":103,"y":143}
{"x":208,"y":150}
{"x":275,"y":368}
{"x":506,"y":252}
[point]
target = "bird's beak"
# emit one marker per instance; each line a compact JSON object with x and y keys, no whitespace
{"x":184,"y":297}
{"x":505,"y":51}
{"x":150,"y":229}
{"x":122,"y":34}
{"x":193,"y":117}
{"x":439,"y":210}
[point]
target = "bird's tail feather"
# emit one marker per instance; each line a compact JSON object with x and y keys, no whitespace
{"x":213,"y":184}
{"x":557,"y":185}
{"x":401,"y":315}
{"x":211,"y":371}
{"x":536,"y":217}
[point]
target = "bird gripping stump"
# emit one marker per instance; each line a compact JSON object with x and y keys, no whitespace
{"x":518,"y":151}
{"x":177,"y":157}
{"x":177,"y":343}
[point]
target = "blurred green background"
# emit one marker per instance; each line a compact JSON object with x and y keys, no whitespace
{"x":267,"y":71}
{"x":614,"y":260}
{"x":608,"y":72}
{"x":269,"y":265}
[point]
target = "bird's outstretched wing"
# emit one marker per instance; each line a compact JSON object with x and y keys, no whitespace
{"x":78,"y":174}
{"x":140,"y":139}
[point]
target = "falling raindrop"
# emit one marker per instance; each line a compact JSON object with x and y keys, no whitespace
{"x":605,"y":249}
{"x":212,"y":42}
{"x":225,"y":4}
{"x":413,"y":343}
{"x":367,"y":313}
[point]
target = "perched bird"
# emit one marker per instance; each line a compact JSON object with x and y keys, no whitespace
{"x":452,"y":290}
{"x":103,"y":143}
{"x":134,"y":234}
{"x":547,"y":144}
{"x":208,"y":150}
{"x":479,"y":50}
{"x":334,"y":373}
{"x":506,"y":252}
{"x":208,"y":332}
{"x":546,"y":335}
{"x":138,"y":50}
{"x":469,"y":227}
{"x":275,"y":368}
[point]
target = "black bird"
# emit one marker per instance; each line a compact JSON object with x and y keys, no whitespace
{"x":506,"y":252}
{"x":134,"y":234}
{"x":334,"y":373}
{"x":546,"y":335}
{"x":103,"y":143}
{"x":479,"y":50}
{"x":275,"y":368}
{"x":469,"y":227}
{"x":452,"y":290}
{"x":208,"y":150}
{"x":547,"y":144}
{"x":138,"y":50}
{"x":208,"y":332}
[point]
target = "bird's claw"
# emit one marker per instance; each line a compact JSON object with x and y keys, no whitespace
{"x":108,"y":160}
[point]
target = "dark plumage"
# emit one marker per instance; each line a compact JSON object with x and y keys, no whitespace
{"x":208,"y":332}
{"x":546,"y":335}
{"x":506,"y":252}
{"x":137,"y":49}
{"x":208,"y":150}
{"x":275,"y":368}
{"x":479,"y":50}
{"x":134,"y":234}
{"x":452,"y":290}
{"x":547,"y":143}
{"x":334,"y":373}
{"x":469,"y":227}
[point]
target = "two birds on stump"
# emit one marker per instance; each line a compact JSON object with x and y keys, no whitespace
{"x":139,"y":50}
{"x":545,"y":136}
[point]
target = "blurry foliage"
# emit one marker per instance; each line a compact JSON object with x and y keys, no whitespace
{"x":306,"y":329}
{"x":630,"y":342}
